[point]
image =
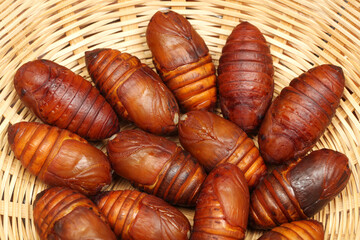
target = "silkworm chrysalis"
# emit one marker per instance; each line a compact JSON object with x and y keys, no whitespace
{"x":245,"y":77}
{"x":134,"y":90}
{"x":182,"y":59}
{"x":62,"y":98}
{"x":300,"y":190}
{"x":213,"y":140}
{"x":300,"y":114}
{"x":223,"y":205}
{"x":62,"y":213}
{"x":157,"y":166}
{"x":147,"y":217}
{"x":301,"y":230}
{"x":59,"y":157}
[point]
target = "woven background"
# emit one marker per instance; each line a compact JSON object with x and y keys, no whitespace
{"x":302,"y":33}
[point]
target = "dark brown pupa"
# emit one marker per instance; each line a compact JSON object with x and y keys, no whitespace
{"x":157,"y":166}
{"x":300,"y":114}
{"x":62,"y":98}
{"x":136,"y":215}
{"x":59,"y":157}
{"x":134,"y":90}
{"x":300,"y":190}
{"x":245,"y":77}
{"x":222,"y":208}
{"x":63,"y":213}
{"x":299,"y":230}
{"x":182,"y":59}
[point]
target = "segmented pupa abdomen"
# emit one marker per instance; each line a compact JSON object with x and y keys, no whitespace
{"x":299,"y":190}
{"x":223,"y":205}
{"x":134,"y":90}
{"x":245,"y":77}
{"x":59,"y":157}
{"x":136,"y":215}
{"x":213,"y":140}
{"x":300,"y":114}
{"x":180,"y":180}
{"x":273,"y":202}
{"x":62,"y":98}
{"x":157,"y":166}
{"x":182,"y":59}
{"x":193,"y":84}
{"x":301,"y":230}
{"x":62,"y":213}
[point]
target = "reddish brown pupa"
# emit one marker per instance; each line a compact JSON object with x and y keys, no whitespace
{"x":213,"y":140}
{"x":300,"y":230}
{"x":245,"y":77}
{"x":59,"y":157}
{"x":182,"y":59}
{"x":136,"y":215}
{"x":134,"y":90}
{"x":300,"y":190}
{"x":223,"y":205}
{"x":157,"y":166}
{"x":62,"y":98}
{"x":62,"y":213}
{"x":300,"y":114}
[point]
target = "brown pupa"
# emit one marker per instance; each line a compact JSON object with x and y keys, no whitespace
{"x":62,"y":98}
{"x":59,"y":157}
{"x":157,"y":166}
{"x":62,"y":213}
{"x":182,"y":59}
{"x":222,"y":208}
{"x":136,"y":215}
{"x":245,"y":77}
{"x":300,"y":190}
{"x":134,"y":90}
{"x":300,"y":114}
{"x":213,"y":140}
{"x":299,"y":230}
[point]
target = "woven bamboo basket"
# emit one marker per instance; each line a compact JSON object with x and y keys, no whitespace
{"x":301,"y":33}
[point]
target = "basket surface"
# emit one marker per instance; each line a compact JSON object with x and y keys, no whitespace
{"x":301,"y":33}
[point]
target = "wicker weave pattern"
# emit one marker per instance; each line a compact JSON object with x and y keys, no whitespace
{"x":302,"y":33}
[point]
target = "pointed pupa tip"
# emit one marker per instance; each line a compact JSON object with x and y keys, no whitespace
{"x":11,"y":133}
{"x":91,"y":55}
{"x":38,"y":196}
{"x":337,"y":68}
